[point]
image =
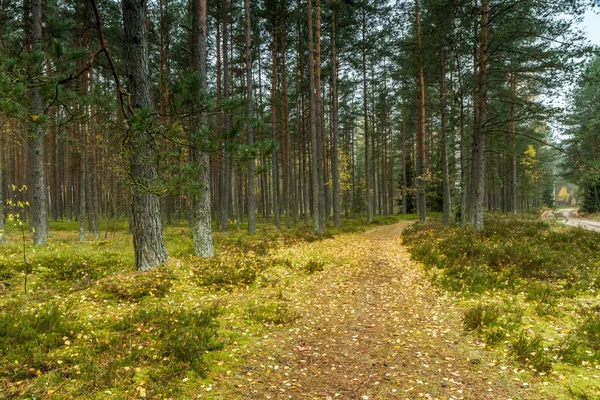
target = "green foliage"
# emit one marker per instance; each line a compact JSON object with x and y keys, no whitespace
{"x":182,"y":336}
{"x":313,"y":266}
{"x":272,"y":312}
{"x":480,"y":316}
{"x":28,"y":334}
{"x":530,"y":352}
{"x":582,"y":345}
{"x":509,"y":251}
{"x":137,"y":285}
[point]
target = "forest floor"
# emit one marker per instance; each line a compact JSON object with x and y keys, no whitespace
{"x":372,"y":328}
{"x":280,"y":315}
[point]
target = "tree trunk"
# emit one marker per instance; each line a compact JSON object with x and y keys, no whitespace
{"x":404,"y":175}
{"x":321,"y":170}
{"x":478,"y":163}
{"x":421,"y":204}
{"x":446,"y":199}
{"x":335,"y":175}
{"x":314,"y":170}
{"x":38,"y":210}
{"x":366,"y":120}
{"x":148,"y":240}
{"x":225,"y":196}
{"x":200,"y":202}
{"x":251,"y":198}
{"x":513,"y":146}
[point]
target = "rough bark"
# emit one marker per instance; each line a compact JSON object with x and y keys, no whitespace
{"x":321,"y":170}
{"x":446,"y":198}
{"x":335,"y":175}
{"x":251,"y":198}
{"x":478,"y":163}
{"x":513,"y":149}
{"x":148,"y":242}
{"x":368,"y":196}
{"x":225,"y":192}
{"x":314,"y":170}
{"x":201,"y":202}
{"x":404,"y":177}
{"x":38,"y":210}
{"x":421,"y":203}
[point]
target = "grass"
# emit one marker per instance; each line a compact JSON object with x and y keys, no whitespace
{"x":89,"y":326}
{"x":529,"y":289}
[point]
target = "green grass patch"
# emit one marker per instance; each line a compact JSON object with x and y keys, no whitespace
{"x":528,"y":288}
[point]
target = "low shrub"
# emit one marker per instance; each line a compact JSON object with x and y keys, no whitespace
{"x":272,"y":312}
{"x":137,"y":285}
{"x":530,"y":352}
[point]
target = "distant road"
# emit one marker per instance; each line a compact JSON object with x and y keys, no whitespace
{"x":568,"y":216}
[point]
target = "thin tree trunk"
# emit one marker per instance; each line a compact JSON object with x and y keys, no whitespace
{"x":513,"y":147}
{"x":366,"y":120}
{"x":446,"y":199}
{"x":420,"y":123}
{"x":225,"y":197}
{"x":334,"y":124}
{"x":404,"y":132}
{"x":274,"y":158}
{"x":313,"y":127}
{"x":251,"y":198}
{"x":319,"y":118}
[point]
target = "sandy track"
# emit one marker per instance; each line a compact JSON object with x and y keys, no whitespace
{"x":373,"y":328}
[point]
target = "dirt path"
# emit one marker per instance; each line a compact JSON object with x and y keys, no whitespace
{"x":568,"y":216}
{"x":372,"y":328}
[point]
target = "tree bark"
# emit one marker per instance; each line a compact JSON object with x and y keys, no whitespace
{"x":335,"y":175}
{"x":368,"y":196}
{"x":38,"y":210}
{"x":478,"y":163}
{"x":446,"y":198}
{"x":421,"y":203}
{"x":225,"y":196}
{"x":201,"y":202}
{"x":148,"y":240}
{"x":513,"y":146}
{"x":251,"y":198}
{"x":314,"y":170}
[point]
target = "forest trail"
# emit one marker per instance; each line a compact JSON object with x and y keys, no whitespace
{"x":568,"y":216}
{"x":371,"y":328}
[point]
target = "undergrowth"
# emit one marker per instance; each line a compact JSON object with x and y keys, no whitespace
{"x":90,"y":326}
{"x":520,"y":266}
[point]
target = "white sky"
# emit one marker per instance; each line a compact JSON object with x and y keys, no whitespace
{"x":591,"y":23}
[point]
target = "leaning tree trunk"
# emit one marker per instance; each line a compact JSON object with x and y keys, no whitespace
{"x":202,"y":232}
{"x":148,"y":240}
{"x":38,"y":210}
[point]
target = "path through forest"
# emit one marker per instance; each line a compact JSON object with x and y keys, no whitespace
{"x":372,"y":328}
{"x":569,"y":216}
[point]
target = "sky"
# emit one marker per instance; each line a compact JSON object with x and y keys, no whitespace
{"x":591,"y":23}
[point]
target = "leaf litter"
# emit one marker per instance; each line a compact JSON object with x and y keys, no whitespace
{"x":370,"y":326}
